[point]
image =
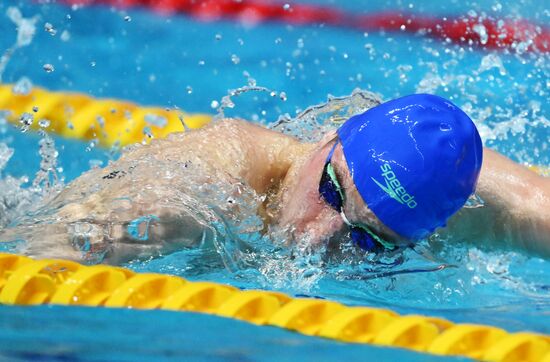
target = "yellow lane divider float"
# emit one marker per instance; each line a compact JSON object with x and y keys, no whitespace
{"x":106,"y":121}
{"x":24,"y":281}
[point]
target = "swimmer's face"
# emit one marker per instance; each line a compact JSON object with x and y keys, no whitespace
{"x":310,"y":217}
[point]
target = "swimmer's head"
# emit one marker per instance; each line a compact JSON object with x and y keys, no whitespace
{"x":414,"y":160}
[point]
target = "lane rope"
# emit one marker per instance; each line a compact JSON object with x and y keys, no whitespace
{"x":106,"y":122}
{"x":487,"y":32}
{"x":24,"y":281}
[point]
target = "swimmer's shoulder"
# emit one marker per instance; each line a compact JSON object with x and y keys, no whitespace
{"x":239,"y":128}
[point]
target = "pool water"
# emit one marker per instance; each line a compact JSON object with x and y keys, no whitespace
{"x":175,"y":60}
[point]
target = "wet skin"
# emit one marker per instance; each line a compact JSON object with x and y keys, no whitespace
{"x":103,"y":202}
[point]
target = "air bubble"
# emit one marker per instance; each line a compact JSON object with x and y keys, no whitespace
{"x":127,"y":18}
{"x":283,"y":96}
{"x":214,"y":104}
{"x":35,"y":109}
{"x":235,"y":59}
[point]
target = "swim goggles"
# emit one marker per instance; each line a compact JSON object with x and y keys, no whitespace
{"x":333,"y":194}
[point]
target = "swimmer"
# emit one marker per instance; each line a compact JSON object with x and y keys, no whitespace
{"x":386,"y":178}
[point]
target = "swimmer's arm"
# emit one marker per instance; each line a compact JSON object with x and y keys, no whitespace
{"x":517,"y":202}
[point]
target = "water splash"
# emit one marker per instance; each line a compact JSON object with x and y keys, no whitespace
{"x":227,"y":100}
{"x":17,"y":197}
{"x":314,"y":122}
{"x":26,"y":29}
{"x":491,"y":61}
{"x":47,"y":179}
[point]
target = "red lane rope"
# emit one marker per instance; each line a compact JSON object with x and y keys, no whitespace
{"x":487,"y":33}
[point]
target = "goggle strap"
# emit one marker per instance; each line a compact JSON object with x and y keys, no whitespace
{"x":334,"y":179}
{"x":382,"y":242}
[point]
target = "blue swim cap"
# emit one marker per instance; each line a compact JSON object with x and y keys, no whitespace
{"x":415,"y":161}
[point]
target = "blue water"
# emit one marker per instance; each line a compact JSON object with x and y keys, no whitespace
{"x":167,"y":61}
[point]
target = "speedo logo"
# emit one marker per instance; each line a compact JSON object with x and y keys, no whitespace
{"x":393,"y":187}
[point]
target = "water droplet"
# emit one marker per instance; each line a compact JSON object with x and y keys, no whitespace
{"x":278,"y":41}
{"x":218,"y":37}
{"x":201,"y":62}
{"x":482,"y":32}
{"x":26,"y":121}
{"x":50,"y":29}
{"x":522,"y":47}
{"x":403,"y":27}
{"x":214,"y":104}
{"x":273,"y":94}
{"x":286,"y":6}
{"x":147,"y":131}
{"x":44,"y":123}
{"x":283,"y":96}
{"x":35,"y":109}
{"x":156,"y":120}
{"x":23,"y":86}
{"x":127,"y":18}
{"x":235,"y":59}
{"x":48,"y":68}
{"x":101,"y":121}
{"x":92,"y":64}
{"x":65,"y":36}
{"x":189,"y":89}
